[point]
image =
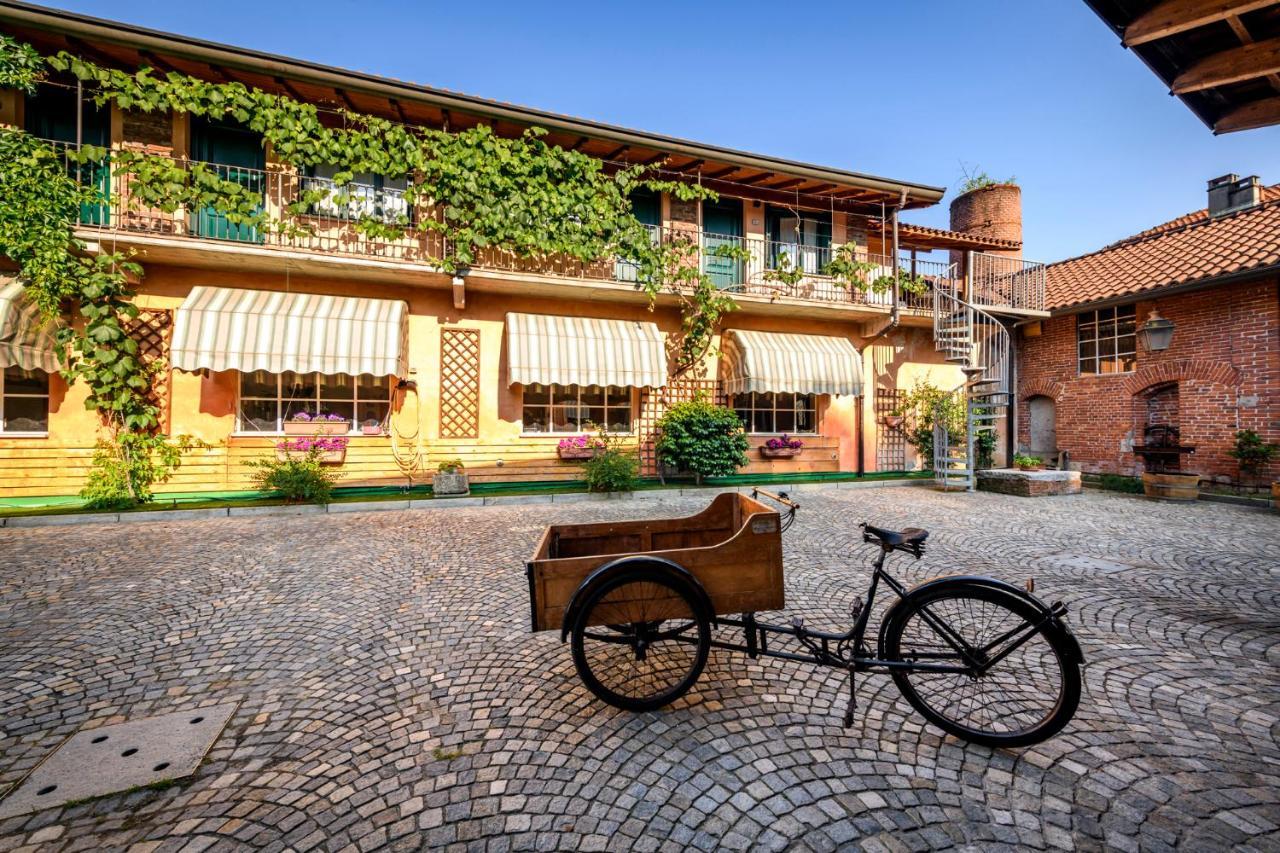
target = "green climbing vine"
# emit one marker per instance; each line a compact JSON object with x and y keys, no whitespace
{"x":482,"y":192}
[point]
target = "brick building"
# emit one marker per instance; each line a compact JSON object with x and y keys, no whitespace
{"x":1086,"y":385}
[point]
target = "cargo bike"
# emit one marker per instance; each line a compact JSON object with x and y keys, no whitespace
{"x":641,"y":602}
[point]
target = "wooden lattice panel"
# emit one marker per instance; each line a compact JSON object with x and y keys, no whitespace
{"x":152,"y":329}
{"x":654,"y":403}
{"x":459,"y":383}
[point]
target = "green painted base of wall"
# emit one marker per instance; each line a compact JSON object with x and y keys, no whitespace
{"x":64,"y":504}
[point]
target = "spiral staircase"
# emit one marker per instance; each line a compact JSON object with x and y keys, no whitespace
{"x":978,"y":342}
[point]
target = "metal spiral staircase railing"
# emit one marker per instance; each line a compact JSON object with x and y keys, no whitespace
{"x":980,"y":344}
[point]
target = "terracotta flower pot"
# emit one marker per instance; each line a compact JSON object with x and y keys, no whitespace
{"x":1171,"y":487}
{"x":317,"y":427}
{"x":576,"y":452}
{"x":894,"y":421}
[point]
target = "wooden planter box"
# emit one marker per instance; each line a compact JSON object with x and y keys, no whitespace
{"x":327,"y":457}
{"x":317,"y":427}
{"x":733,"y":547}
{"x":781,"y":452}
{"x":576,"y":452}
{"x":1171,"y":487}
{"x":450,"y":485}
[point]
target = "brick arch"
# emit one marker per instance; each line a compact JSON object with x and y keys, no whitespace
{"x":1179,"y":371}
{"x":1043,"y":388}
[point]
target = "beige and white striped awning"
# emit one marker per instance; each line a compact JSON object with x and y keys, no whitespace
{"x":26,"y":340}
{"x":545,"y":349}
{"x":220,"y":328}
{"x":801,"y":364}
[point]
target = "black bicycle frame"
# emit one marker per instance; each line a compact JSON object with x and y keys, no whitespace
{"x":846,"y":650}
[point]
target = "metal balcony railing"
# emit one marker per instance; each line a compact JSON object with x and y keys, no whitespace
{"x":996,"y":281}
{"x":327,"y":227}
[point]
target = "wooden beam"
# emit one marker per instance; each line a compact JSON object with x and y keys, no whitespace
{"x":785,"y":185}
{"x":1177,"y":16}
{"x":1261,"y":113}
{"x":754,"y":179}
{"x":288,"y":87}
{"x":1230,"y":66}
{"x":617,"y":152}
{"x":346,"y":99}
{"x":581,"y":141}
{"x":1242,"y":33}
{"x":722,"y":172}
{"x":688,"y":167}
{"x":655,"y":159}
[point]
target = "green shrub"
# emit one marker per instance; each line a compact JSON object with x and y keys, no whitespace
{"x":1120,"y":483}
{"x":613,"y":469}
{"x":1252,"y":453}
{"x":125,"y":469}
{"x":702,"y":438}
{"x":297,"y":479}
{"x":451,"y":466}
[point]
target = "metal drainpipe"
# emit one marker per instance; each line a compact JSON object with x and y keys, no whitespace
{"x":889,"y":326}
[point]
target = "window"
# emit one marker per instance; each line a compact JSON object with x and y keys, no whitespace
{"x":267,"y":400}
{"x":367,"y":196}
{"x":1107,"y":342}
{"x":576,"y":408}
{"x":24,"y":401}
{"x":777,"y":413}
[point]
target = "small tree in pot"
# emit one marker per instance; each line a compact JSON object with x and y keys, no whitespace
{"x":702,"y":439}
{"x":1252,"y":454}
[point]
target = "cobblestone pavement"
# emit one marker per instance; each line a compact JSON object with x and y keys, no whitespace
{"x":391,"y":696}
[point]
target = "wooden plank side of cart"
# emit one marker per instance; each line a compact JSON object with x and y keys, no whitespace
{"x":733,"y":547}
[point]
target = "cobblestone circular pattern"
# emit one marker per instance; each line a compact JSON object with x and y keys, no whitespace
{"x":392,"y":697}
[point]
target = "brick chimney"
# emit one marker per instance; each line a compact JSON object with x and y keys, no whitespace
{"x":1231,"y":192}
{"x":991,"y":211}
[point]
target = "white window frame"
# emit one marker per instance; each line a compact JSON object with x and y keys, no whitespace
{"x":1091,"y":317}
{"x":631,"y":409}
{"x":368,"y":196}
{"x":47,"y":412}
{"x":750,"y":427}
{"x":315,"y":401}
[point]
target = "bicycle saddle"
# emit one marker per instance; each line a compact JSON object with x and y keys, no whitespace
{"x":896,"y":538}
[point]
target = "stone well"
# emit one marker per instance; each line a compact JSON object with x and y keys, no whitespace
{"x":1029,"y":484}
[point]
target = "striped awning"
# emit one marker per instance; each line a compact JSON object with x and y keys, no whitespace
{"x":801,"y":364}
{"x":26,"y":340}
{"x":220,"y":328}
{"x":584,"y":351}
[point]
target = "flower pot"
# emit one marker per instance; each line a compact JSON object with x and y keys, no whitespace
{"x":1030,"y":467}
{"x":317,"y":427}
{"x":376,"y":429}
{"x":893,"y":421}
{"x":576,"y":452}
{"x":444,"y":485}
{"x":780,"y":452}
{"x":1275,"y":495}
{"x":326,"y":457}
{"x":1171,"y":487}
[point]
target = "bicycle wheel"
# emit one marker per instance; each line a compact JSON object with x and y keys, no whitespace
{"x":640,"y":641}
{"x":1026,"y":696}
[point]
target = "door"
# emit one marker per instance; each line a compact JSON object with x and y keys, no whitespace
{"x":51,"y":114}
{"x":646,"y":206}
{"x":1044,"y":427}
{"x":722,"y":226}
{"x":804,"y":239}
{"x":236,"y":154}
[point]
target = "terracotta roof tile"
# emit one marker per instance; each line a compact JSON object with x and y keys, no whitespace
{"x":926,"y":235}
{"x":1187,"y":249}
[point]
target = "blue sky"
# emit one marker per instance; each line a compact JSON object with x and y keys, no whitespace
{"x":916,"y":90}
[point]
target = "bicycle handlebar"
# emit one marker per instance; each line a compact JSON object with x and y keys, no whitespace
{"x":782,"y":498}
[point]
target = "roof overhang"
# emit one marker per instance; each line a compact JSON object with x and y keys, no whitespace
{"x":721,"y":169}
{"x":1221,"y":58}
{"x":1166,"y":290}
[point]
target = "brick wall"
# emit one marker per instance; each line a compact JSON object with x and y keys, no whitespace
{"x":1224,"y":363}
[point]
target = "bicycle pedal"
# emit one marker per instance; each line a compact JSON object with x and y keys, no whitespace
{"x":798,"y":623}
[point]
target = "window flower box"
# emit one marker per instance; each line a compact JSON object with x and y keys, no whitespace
{"x":579,"y":447}
{"x":304,"y":423}
{"x":329,"y":449}
{"x":782,"y":447}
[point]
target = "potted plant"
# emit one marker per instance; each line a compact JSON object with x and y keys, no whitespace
{"x":1024,"y":462}
{"x":450,"y":480}
{"x":1253,"y":454}
{"x":371,"y":427}
{"x":306,"y":423}
{"x":328,"y":449}
{"x":702,"y":439}
{"x":579,"y":447}
{"x":893,"y":421}
{"x":782,"y":447}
